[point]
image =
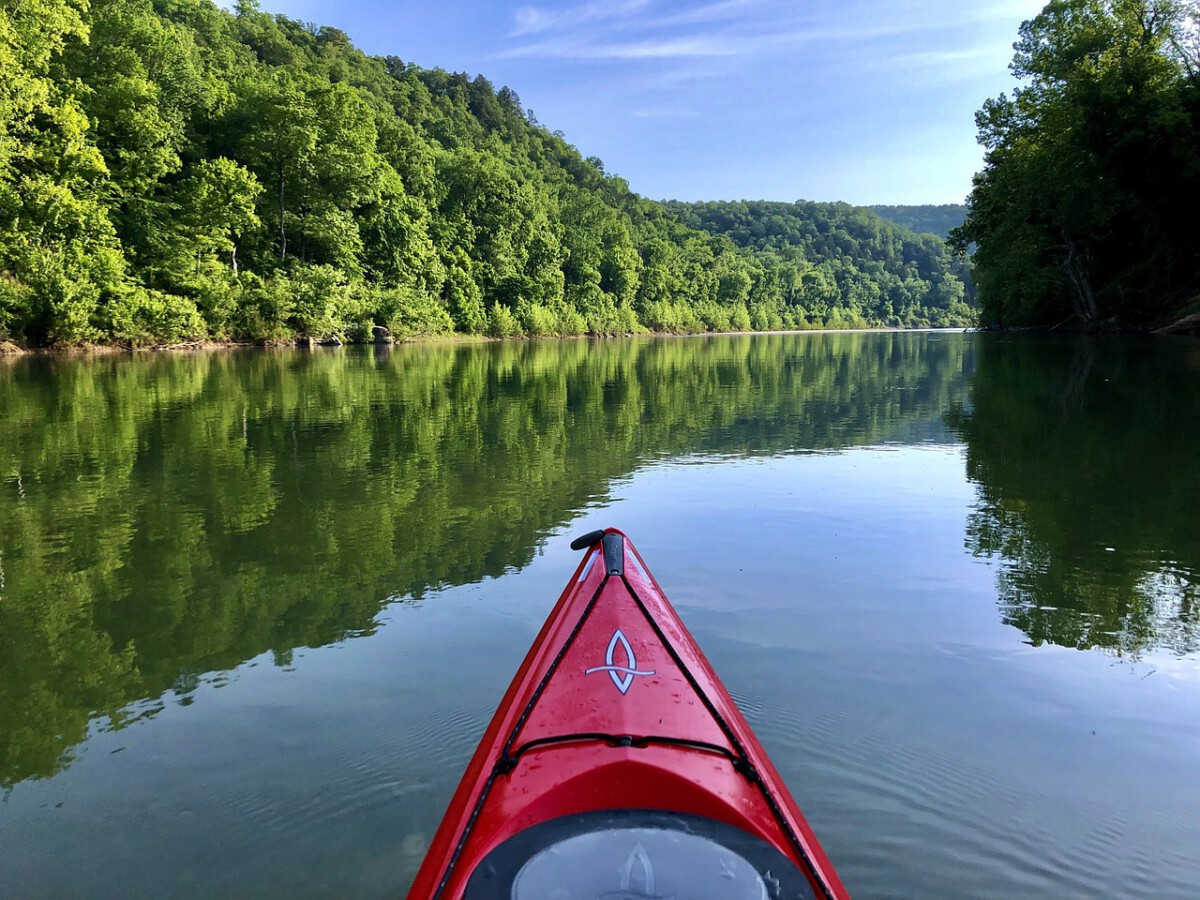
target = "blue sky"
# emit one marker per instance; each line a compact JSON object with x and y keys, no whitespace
{"x":859,"y":100}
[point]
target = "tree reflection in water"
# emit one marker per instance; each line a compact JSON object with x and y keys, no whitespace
{"x":166,"y":517}
{"x":1086,"y":453}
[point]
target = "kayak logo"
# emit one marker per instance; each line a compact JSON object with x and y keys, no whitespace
{"x":624,"y":679}
{"x":637,"y":878}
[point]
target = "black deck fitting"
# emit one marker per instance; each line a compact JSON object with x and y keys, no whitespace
{"x":614,"y":554}
{"x":587,"y":540}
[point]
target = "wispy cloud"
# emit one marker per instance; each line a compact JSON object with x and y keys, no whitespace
{"x":637,"y":30}
{"x":537,"y":20}
{"x":944,"y":67}
{"x":667,"y":48}
{"x":943,"y":57}
{"x":662,"y":55}
{"x":905,"y":22}
{"x":681,"y":75}
{"x":666,"y":114}
{"x":720,"y":11}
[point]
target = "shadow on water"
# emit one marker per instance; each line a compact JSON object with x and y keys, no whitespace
{"x":1086,"y":453}
{"x":170,"y":516}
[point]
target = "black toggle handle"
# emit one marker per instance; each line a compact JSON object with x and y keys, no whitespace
{"x":588,"y":540}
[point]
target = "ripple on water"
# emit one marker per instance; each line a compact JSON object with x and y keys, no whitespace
{"x":928,"y":807}
{"x":383,"y":770}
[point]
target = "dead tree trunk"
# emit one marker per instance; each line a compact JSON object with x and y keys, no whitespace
{"x":1082,"y":298}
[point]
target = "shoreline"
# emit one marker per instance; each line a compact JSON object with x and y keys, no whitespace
{"x":11,"y":350}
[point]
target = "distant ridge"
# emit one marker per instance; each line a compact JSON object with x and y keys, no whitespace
{"x":867,"y":267}
{"x":925,"y":219}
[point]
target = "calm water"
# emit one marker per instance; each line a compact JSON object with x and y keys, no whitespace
{"x":257,"y":607}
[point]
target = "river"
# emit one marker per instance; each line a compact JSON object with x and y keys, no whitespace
{"x":256,"y":607}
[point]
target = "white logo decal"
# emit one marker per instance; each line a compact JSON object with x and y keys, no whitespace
{"x":637,"y":865}
{"x":625,"y":679}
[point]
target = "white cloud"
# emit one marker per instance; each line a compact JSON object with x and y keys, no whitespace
{"x":667,"y":48}
{"x":666,"y":114}
{"x":624,"y":29}
{"x":934,"y":67}
{"x":679,"y":76}
{"x":944,"y":57}
{"x":711,"y":12}
{"x":537,"y":20}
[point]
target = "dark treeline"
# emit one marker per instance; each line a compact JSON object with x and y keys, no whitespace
{"x":171,"y":171}
{"x":171,"y":516}
{"x":939,"y":220}
{"x":863,"y":269}
{"x":1083,"y":213}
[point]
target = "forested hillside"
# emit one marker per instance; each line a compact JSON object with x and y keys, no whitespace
{"x":857,"y":266}
{"x":172,"y":171}
{"x":927,"y":219}
{"x":1084,"y":212}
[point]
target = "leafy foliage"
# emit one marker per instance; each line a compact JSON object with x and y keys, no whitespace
{"x":1076,"y":214}
{"x":173,"y":171}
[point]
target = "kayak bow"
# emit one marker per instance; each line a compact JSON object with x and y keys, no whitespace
{"x":617,"y":766}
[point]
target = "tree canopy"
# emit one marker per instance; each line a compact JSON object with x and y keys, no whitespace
{"x":1080,"y":213}
{"x":171,"y":171}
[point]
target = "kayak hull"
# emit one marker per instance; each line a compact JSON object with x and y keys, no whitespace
{"x":614,"y":708}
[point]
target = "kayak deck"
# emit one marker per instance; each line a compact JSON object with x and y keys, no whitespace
{"x":616,"y":712}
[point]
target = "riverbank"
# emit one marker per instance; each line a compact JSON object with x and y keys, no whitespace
{"x":11,"y":349}
{"x":1188,"y":327}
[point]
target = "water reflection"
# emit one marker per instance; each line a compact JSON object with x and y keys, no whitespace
{"x":166,"y":517}
{"x":1086,"y":457}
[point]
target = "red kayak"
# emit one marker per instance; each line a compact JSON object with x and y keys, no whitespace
{"x":619,"y":768}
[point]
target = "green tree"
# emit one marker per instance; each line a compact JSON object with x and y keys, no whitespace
{"x":1075,"y":214}
{"x":279,"y":129}
{"x":218,"y":207}
{"x":60,"y":260}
